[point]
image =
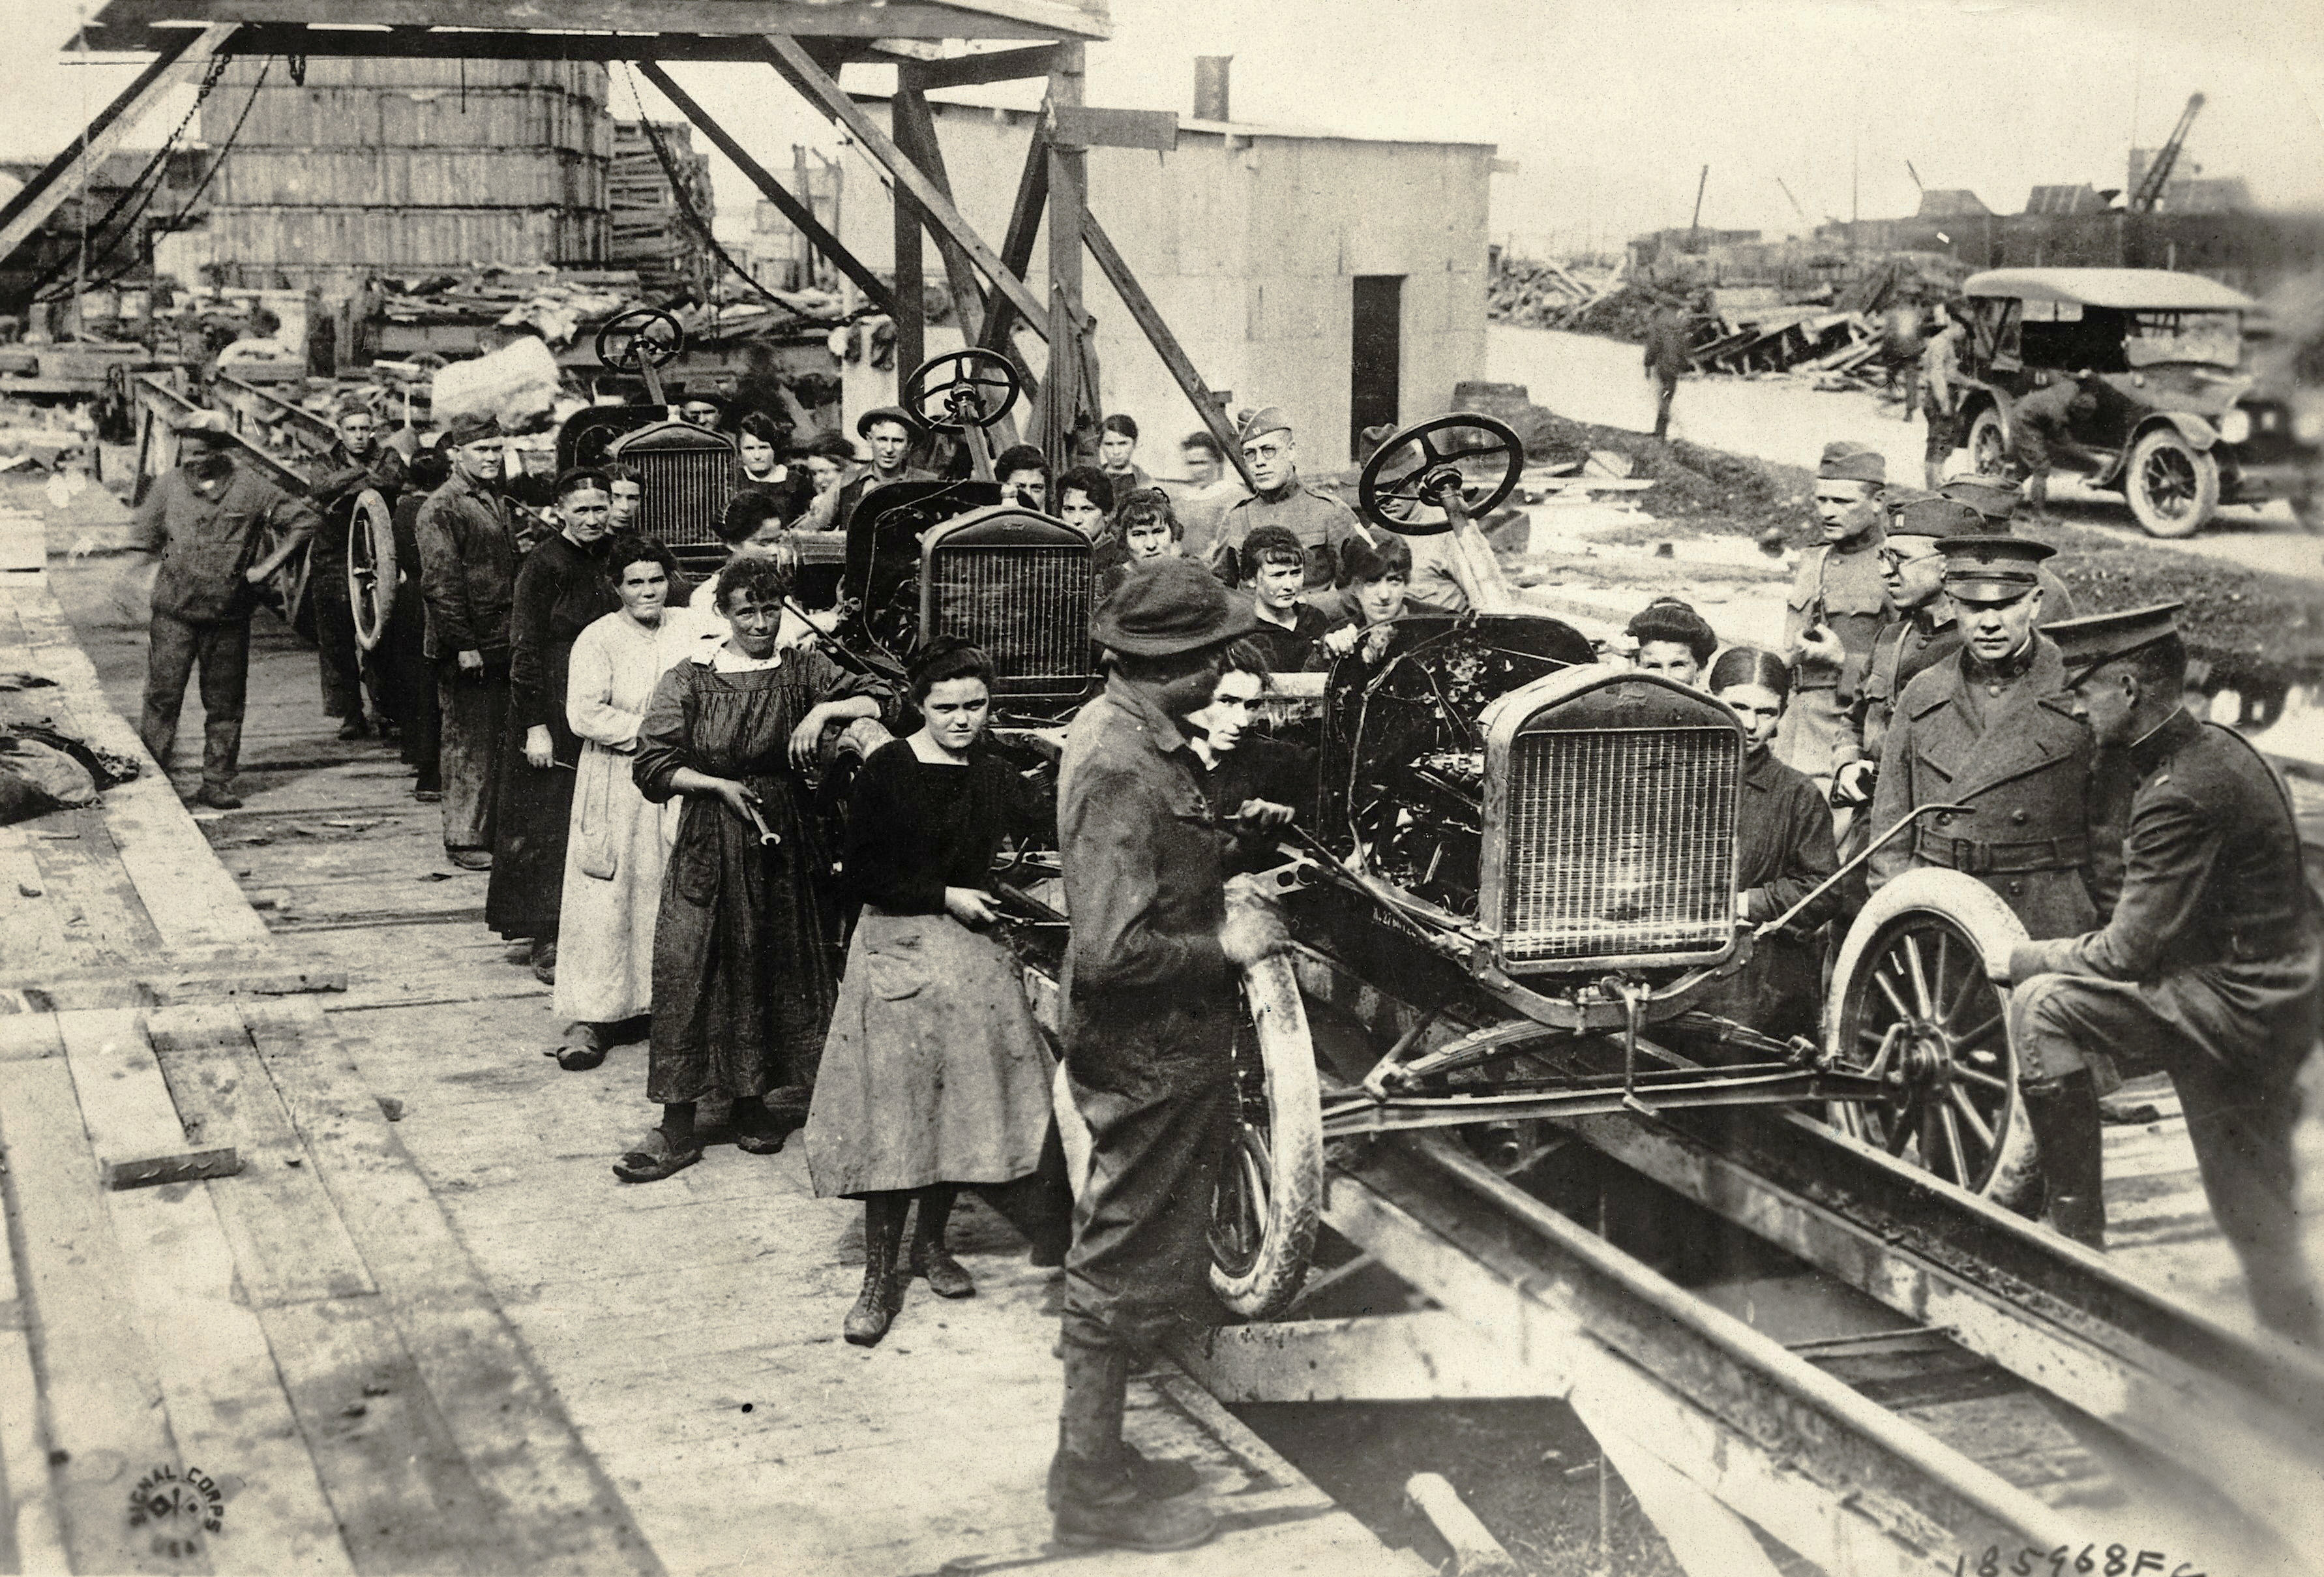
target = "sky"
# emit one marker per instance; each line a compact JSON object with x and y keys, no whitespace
{"x":1608,"y":112}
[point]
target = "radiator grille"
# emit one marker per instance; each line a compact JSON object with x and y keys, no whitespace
{"x":1621,"y":843}
{"x":683,"y":494}
{"x":1027,"y":606}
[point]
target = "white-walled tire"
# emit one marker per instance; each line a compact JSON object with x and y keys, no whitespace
{"x":1910,"y":985}
{"x":1989,"y":443}
{"x":1269,"y":1196}
{"x":2172,"y":487}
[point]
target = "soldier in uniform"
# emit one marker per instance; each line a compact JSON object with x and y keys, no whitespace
{"x":1996,"y":499}
{"x":1920,"y":632}
{"x":1837,"y":603}
{"x":1991,"y":728}
{"x":1323,"y":525}
{"x":2209,"y":966}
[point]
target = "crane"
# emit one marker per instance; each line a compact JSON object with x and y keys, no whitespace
{"x":1801,"y":212}
{"x":2158,"y":173}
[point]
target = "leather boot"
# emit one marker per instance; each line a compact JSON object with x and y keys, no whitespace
{"x":1091,"y":1492}
{"x":876,"y":1304}
{"x":930,"y":1258}
{"x":2064,"y":1115}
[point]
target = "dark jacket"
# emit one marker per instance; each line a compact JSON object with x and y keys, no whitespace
{"x":561,"y":590}
{"x":205,"y":545}
{"x":2042,"y":828}
{"x":1784,"y":850}
{"x":1670,"y":341}
{"x":1323,"y":525}
{"x":468,"y":568}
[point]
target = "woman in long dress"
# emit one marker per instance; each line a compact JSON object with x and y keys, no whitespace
{"x":613,"y":850}
{"x":933,"y":1077}
{"x":741,"y":970}
{"x":1785,"y":850}
{"x":561,"y":589}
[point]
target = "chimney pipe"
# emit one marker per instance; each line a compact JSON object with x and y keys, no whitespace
{"x":1211,"y":86}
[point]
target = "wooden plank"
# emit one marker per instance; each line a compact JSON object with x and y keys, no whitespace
{"x":132,"y":1124}
{"x":1150,"y":321}
{"x":227,"y":1407}
{"x":916,"y":134}
{"x":27,"y":1035}
{"x":800,"y":70}
{"x":103,"y":1401}
{"x":992,"y":65}
{"x":911,"y":310}
{"x":290,"y":1244}
{"x":1016,"y":254}
{"x":104,"y":919}
{"x":30,"y":1538}
{"x":798,"y":213}
{"x":129,"y":25}
{"x":555,"y":1502}
{"x":39,"y":946}
{"x":1431,"y":1356}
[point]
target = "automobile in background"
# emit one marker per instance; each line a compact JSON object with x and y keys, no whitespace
{"x":2175,"y":421}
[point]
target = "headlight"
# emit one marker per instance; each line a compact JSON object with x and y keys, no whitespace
{"x":2235,"y":426}
{"x":2307,"y":424}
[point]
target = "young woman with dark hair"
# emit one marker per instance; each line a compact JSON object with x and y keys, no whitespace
{"x":1673,"y":640}
{"x":933,"y":1077}
{"x":741,"y":970}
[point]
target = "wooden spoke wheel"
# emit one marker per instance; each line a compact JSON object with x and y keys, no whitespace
{"x":1403,"y":483}
{"x":1912,"y":1002}
{"x":962,"y":389}
{"x":2173,"y":489}
{"x":371,"y":567}
{"x":1988,"y":443}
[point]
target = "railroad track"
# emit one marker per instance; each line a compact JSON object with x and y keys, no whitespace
{"x":2165,"y":1431}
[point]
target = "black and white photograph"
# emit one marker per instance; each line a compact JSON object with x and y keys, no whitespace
{"x":1338,"y":789}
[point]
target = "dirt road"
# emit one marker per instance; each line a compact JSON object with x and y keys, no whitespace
{"x":1600,"y":381}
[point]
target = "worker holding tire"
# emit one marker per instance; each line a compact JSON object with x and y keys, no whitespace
{"x":2041,"y":431}
{"x":2211,"y":965}
{"x":1152,"y":1012}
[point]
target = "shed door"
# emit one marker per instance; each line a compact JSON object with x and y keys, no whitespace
{"x":1376,"y":354}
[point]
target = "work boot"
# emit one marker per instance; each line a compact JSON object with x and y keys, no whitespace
{"x":353,"y":728}
{"x":931,"y":1261}
{"x":1162,"y":1480}
{"x":1096,"y":1494}
{"x":218,"y":796}
{"x":876,"y":1305}
{"x":2064,"y":1115}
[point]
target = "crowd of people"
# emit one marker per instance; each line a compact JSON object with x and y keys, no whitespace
{"x":632,"y":758}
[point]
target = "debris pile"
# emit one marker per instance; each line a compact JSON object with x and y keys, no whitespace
{"x":1546,"y":295}
{"x":562,"y":305}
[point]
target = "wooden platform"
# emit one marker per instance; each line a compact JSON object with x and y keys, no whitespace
{"x":423,"y":1328}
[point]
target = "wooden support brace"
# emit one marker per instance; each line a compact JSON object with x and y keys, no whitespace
{"x":800,"y":68}
{"x":1142,"y":311}
{"x":791,"y":207}
{"x":1017,"y":256}
{"x":40,"y":196}
{"x":916,"y":136}
{"x":998,"y":66}
{"x":1708,"y":1539}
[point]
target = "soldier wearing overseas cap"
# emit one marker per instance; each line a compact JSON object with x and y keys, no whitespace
{"x":1837,"y":603}
{"x":1150,"y":1014}
{"x":2210,"y":965}
{"x":1991,"y":727}
{"x":1323,"y":525}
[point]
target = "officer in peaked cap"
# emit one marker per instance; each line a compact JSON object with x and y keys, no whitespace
{"x":1918,"y":632}
{"x":1996,"y":499}
{"x":2209,"y":966}
{"x":1838,"y":600}
{"x":1323,"y":525}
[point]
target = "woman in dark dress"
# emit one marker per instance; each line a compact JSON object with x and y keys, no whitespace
{"x":561,"y":589}
{"x":1785,"y":834}
{"x":741,"y":968}
{"x":935,"y":1076}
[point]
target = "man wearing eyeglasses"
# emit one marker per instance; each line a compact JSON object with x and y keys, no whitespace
{"x":1323,"y":525}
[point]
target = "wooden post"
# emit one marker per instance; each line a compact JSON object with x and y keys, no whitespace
{"x":1016,"y":254}
{"x":1068,"y":194}
{"x":910,"y":311}
{"x":1142,"y":311}
{"x":796,"y":210}
{"x":916,"y":134}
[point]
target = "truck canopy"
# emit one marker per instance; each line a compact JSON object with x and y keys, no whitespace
{"x":2152,"y":290}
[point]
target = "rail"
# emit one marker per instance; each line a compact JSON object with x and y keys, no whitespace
{"x":169,"y":406}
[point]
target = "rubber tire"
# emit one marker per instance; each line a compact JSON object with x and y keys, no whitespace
{"x":1993,"y":928}
{"x":2152,"y":521}
{"x":1987,"y":422}
{"x":1295,"y":1179}
{"x":371,"y":521}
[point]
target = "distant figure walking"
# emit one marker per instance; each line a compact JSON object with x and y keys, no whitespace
{"x":1669,"y":340}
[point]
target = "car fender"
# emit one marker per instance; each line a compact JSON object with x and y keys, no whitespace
{"x":2199,"y":434}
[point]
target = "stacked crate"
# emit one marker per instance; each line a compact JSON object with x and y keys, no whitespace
{"x":649,"y":232}
{"x":406,"y":166}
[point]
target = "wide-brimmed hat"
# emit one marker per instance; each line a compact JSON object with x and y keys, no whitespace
{"x":1164,"y":606}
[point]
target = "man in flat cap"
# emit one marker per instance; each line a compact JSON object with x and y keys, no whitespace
{"x":468,"y":577}
{"x":220,"y":530}
{"x":1837,"y":602}
{"x":1323,"y":525}
{"x":357,"y":461}
{"x":1150,"y":1019}
{"x":2210,"y":965}
{"x":1991,"y":726}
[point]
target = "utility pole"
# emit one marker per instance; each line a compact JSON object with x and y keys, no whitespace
{"x":1916,"y":174}
{"x":1801,"y":212}
{"x":1694,"y":225}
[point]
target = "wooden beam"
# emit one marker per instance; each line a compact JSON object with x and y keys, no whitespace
{"x":1142,"y":311}
{"x":1016,"y":244}
{"x":1068,"y":189}
{"x":916,"y":134}
{"x":993,"y":66}
{"x":1432,"y":1356}
{"x":800,"y":70}
{"x":1078,"y":126}
{"x":143,"y":25}
{"x":910,"y":311}
{"x":792,"y":208}
{"x":30,"y":209}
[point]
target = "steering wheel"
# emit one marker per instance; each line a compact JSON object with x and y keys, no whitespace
{"x":962,"y":389}
{"x":639,"y":338}
{"x":1403,"y":483}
